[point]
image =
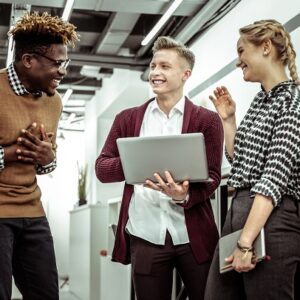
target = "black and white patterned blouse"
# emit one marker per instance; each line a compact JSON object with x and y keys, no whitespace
{"x":267,"y":145}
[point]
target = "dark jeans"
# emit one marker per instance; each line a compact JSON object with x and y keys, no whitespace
{"x":270,"y":280}
{"x":152,"y":269}
{"x":27,"y":253}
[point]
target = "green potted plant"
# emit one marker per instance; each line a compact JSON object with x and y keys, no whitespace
{"x":82,"y":184}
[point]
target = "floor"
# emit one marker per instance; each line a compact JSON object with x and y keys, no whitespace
{"x":64,"y":293}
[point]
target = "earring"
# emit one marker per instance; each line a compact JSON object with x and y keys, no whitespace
{"x":265,"y":53}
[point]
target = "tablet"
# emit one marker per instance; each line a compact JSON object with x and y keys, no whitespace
{"x":228,"y":243}
{"x":183,"y":155}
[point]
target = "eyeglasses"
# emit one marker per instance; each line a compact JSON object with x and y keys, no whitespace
{"x":59,"y":63}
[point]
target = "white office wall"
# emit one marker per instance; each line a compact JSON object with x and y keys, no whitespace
{"x":90,"y":152}
{"x":59,"y":194}
{"x":123,"y":90}
{"x":95,"y":130}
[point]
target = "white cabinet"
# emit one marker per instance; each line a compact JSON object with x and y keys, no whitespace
{"x":115,"y":278}
{"x":88,"y":236}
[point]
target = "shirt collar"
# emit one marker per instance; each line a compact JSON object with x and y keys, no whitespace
{"x":15,"y":83}
{"x":179,"y":106}
{"x":277,"y":88}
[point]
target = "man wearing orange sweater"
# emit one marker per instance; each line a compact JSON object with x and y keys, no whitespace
{"x":30,"y":111}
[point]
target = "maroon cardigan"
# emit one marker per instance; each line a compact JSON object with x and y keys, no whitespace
{"x":199,"y":217}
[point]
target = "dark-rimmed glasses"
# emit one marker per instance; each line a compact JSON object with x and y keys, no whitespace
{"x":59,"y":63}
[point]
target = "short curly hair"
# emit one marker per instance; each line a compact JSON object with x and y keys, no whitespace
{"x":35,"y":32}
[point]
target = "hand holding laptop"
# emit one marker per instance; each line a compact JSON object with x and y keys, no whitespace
{"x":183,"y":155}
{"x":228,"y":244}
{"x":177,"y":191}
{"x":246,"y":261}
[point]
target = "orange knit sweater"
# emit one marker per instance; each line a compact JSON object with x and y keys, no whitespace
{"x":19,"y":192}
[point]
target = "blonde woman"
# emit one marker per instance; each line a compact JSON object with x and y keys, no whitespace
{"x":265,"y":156}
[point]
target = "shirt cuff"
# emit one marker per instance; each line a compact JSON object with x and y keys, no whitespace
{"x":185,"y":200}
{"x":47,"y":168}
{"x":267,"y":188}
{"x":1,"y":158}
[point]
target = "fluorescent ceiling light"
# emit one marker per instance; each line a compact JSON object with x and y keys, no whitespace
{"x":67,"y":10}
{"x":10,"y":52}
{"x":17,"y":11}
{"x":161,"y":22}
{"x":66,"y":96}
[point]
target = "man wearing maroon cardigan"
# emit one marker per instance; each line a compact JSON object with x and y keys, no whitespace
{"x":165,"y":225}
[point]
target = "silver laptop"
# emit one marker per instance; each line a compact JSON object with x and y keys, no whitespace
{"x":183,"y":155}
{"x":228,"y":243}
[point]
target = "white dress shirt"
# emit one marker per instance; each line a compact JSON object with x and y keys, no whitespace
{"x":152,"y":213}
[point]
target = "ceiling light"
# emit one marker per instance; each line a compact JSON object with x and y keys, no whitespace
{"x":66,"y":96}
{"x":17,"y":12}
{"x":67,"y":11}
{"x":10,"y":52}
{"x":161,"y":22}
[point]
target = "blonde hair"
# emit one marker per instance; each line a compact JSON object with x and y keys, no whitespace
{"x":166,"y":42}
{"x":37,"y":32}
{"x":260,"y":31}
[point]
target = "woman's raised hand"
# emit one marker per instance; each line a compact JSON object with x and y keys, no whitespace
{"x":223,"y":103}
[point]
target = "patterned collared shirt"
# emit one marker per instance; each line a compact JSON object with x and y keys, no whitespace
{"x":16,"y":85}
{"x":267,"y":145}
{"x":20,"y":90}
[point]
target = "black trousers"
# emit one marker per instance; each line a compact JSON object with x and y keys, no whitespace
{"x":270,"y":280}
{"x":152,"y":269}
{"x":27,"y":253}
